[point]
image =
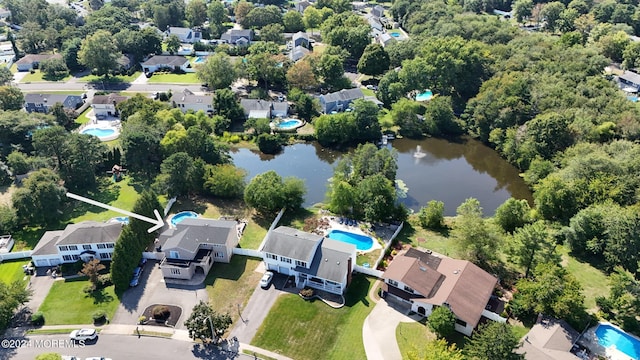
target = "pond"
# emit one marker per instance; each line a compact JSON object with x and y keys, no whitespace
{"x":442,"y":170}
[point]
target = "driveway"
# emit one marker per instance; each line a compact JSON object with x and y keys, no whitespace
{"x":379,"y":332}
{"x":257,"y":308}
{"x":153,"y":290}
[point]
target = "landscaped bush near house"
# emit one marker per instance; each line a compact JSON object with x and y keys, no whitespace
{"x":160,"y":312}
{"x":306,"y":293}
{"x":37,"y":319}
{"x":99,"y":317}
{"x":104,"y":281}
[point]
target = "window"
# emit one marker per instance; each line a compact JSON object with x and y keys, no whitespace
{"x":63,"y":248}
{"x":102,"y":246}
{"x":272,"y":256}
{"x":86,"y":247}
{"x":461,"y":323}
{"x":174,"y":254}
{"x":73,"y":247}
{"x":175,"y":271}
{"x":66,"y":257}
{"x":110,"y":246}
{"x":301,"y":263}
{"x":393,"y":282}
{"x":105,"y":255}
{"x":285,"y":259}
{"x":408,"y":289}
{"x":219,"y":255}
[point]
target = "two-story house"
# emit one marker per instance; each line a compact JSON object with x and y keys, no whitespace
{"x":43,"y":103}
{"x":187,"y":100}
{"x":238,"y":37}
{"x":106,"y":105}
{"x":185,"y":35}
{"x":82,"y":241}
{"x":195,"y":244}
{"x":263,"y":109}
{"x":312,"y":260}
{"x":339,"y":100}
{"x":424,"y":281}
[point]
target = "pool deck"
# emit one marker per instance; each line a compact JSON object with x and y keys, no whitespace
{"x":334,"y":224}
{"x":590,"y":341}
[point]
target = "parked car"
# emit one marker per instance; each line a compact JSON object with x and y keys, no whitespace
{"x":135,"y":281}
{"x":142,"y":262}
{"x":67,"y":357}
{"x":266,"y":279}
{"x":137,"y":271}
{"x":97,"y":358}
{"x":83,"y":334}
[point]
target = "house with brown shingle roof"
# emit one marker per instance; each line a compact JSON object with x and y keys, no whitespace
{"x":425,"y":281}
{"x":32,"y":61}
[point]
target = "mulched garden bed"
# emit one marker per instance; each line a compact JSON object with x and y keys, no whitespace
{"x":174,"y":315}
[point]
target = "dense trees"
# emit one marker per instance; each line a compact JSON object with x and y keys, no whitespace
{"x":359,"y":125}
{"x":218,"y":72}
{"x":226,"y":180}
{"x":431,"y":215}
{"x":442,"y":321}
{"x":374,"y":61}
{"x":13,"y":295}
{"x":39,"y":198}
{"x":268,"y":193}
{"x":11,"y":98}
{"x":99,"y":52}
{"x":493,"y":340}
{"x":205,"y":324}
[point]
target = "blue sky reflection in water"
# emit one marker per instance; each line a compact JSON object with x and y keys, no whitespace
{"x":448,"y":171}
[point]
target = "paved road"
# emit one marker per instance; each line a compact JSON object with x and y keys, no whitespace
{"x":77,"y":86}
{"x":117,"y":347}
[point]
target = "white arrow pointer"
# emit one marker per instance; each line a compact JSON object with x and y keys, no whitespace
{"x":159,"y":222}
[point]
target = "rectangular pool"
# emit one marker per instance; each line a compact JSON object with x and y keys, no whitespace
{"x":612,"y":336}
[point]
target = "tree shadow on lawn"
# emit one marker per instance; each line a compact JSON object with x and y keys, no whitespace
{"x":189,"y":204}
{"x":358,"y":291}
{"x":230,"y":271}
{"x":105,"y":192}
{"x":100,"y":296}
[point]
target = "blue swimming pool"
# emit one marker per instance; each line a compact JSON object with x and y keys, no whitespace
{"x":395,"y":35}
{"x":612,"y":336}
{"x":199,"y":60}
{"x":289,"y":124}
{"x":427,"y":95}
{"x":177,"y":218}
{"x":121,"y":219}
{"x":362,"y":242}
{"x":101,"y":133}
{"x":632,"y":98}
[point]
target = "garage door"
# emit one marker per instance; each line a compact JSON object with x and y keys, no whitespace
{"x":43,"y":262}
{"x":283,"y":270}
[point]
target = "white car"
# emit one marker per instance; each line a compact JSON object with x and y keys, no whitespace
{"x":266,"y":279}
{"x":97,"y":358}
{"x":84,"y":334}
{"x":67,"y":357}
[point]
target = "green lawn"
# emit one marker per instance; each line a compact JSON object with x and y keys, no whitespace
{"x":121,"y":195}
{"x":83,"y":119}
{"x":412,"y":233}
{"x":231,"y":284}
{"x":368,"y":92}
{"x":112,"y":79}
{"x":11,"y":271}
{"x":594,"y":282}
{"x":312,"y":330}
{"x":67,"y":304}
{"x":410,"y":336}
{"x":189,"y":78}
{"x":37,"y":76}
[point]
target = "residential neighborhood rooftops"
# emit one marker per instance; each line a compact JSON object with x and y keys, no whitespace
{"x":90,"y":232}
{"x":169,"y":60}
{"x":187,"y":97}
{"x":291,"y":243}
{"x":630,"y":77}
{"x":109,"y":99}
{"x":47,"y":243}
{"x":68,"y":101}
{"x":31,"y":58}
{"x":344,"y":95}
{"x":550,"y":339}
{"x":331,"y":260}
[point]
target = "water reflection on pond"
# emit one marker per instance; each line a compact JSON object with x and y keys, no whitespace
{"x":447,"y":171}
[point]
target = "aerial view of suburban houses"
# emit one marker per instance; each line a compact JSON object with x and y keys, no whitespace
{"x":308,"y":180}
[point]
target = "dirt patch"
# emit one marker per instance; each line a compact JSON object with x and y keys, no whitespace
{"x":5,"y":194}
{"x":174,"y":315}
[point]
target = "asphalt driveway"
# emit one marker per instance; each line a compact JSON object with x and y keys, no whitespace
{"x":153,"y":290}
{"x":257,"y":309}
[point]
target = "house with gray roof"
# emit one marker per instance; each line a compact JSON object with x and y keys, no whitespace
{"x":84,"y":241}
{"x":339,"y":100}
{"x":195,"y":244}
{"x":311,"y":259}
{"x":385,"y":39}
{"x":263,"y":109}
{"x":377,"y":11}
{"x":630,"y":80}
{"x":187,"y":100}
{"x":549,"y":339}
{"x":32,"y":61}
{"x":301,"y":6}
{"x":185,"y":35}
{"x":170,"y":62}
{"x":300,"y":39}
{"x":43,"y":103}
{"x":106,"y":105}
{"x":239,"y":37}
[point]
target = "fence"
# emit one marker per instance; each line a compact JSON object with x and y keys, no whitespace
{"x":368,"y":271}
{"x":248,"y":252}
{"x":153,"y":255}
{"x":388,"y":245}
{"x":15,"y":255}
{"x":273,"y":226}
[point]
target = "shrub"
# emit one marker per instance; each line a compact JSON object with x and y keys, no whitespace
{"x":234,"y":139}
{"x":160,"y":312}
{"x":269,"y":144}
{"x":306,"y":293}
{"x":142,"y":319}
{"x":104,"y":281}
{"x":37,"y":319}
{"x":99,"y":317}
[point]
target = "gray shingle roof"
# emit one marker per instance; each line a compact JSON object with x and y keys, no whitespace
{"x":47,"y":243}
{"x":331,"y":261}
{"x":109,"y":99}
{"x":630,"y":76}
{"x":192,"y":232}
{"x":291,"y":243}
{"x":179,"y":30}
{"x":68,"y":101}
{"x":90,"y":232}
{"x":254,"y":104}
{"x":192,"y":99}
{"x":300,"y":35}
{"x":169,"y":60}
{"x":344,"y":95}
{"x":31,"y":58}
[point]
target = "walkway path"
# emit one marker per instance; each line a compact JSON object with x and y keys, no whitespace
{"x":379,"y":332}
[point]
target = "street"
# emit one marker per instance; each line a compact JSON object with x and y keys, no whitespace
{"x":77,"y":86}
{"x":117,"y":347}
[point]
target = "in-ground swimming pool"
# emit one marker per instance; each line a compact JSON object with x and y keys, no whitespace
{"x":395,"y":35}
{"x":288,"y":124}
{"x":362,"y":242}
{"x":612,"y":336}
{"x":177,"y":218}
{"x":199,"y":60}
{"x":120,"y":219}
{"x":427,"y":95}
{"x":101,"y":133}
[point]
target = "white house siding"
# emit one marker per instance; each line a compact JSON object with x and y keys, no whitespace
{"x":205,"y":107}
{"x":493,"y":316}
{"x":72,"y":253}
{"x":467,"y":330}
{"x":42,"y":260}
{"x":104,"y":109}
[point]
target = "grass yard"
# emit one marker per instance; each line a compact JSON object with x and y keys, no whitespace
{"x":232,"y":284}
{"x":122,"y":195}
{"x":189,"y":78}
{"x":594,"y":282}
{"x":83,"y":119}
{"x":312,"y":330}
{"x":11,"y":271}
{"x":68,"y":304}
{"x":411,"y":336}
{"x":436,"y":241}
{"x":37,"y":76}
{"x":112,"y":79}
{"x":368,"y":92}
